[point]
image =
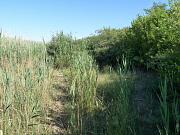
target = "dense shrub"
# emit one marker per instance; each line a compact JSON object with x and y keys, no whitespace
{"x":60,"y":48}
{"x":155,"y":38}
{"x":107,"y":46}
{"x":152,"y":41}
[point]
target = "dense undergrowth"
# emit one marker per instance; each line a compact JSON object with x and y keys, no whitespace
{"x":25,"y":78}
{"x":102,"y":79}
{"x":103,"y":107}
{"x":152,"y":41}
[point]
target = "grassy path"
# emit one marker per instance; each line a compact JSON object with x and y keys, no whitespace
{"x":146,"y":103}
{"x":144,"y":99}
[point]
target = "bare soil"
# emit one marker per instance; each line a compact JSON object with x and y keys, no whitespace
{"x":58,"y":116}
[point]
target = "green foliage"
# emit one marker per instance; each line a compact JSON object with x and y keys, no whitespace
{"x":152,"y":41}
{"x":155,"y":38}
{"x":60,"y":48}
{"x":107,"y":46}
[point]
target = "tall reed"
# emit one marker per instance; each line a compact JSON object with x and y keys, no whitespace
{"x":83,"y":92}
{"x":170,"y":108}
{"x":120,"y":116}
{"x":24,"y":83}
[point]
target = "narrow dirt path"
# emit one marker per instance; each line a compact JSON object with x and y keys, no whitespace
{"x":146,"y":103}
{"x":57,"y":113}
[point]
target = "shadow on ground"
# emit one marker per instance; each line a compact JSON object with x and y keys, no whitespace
{"x":58,"y":116}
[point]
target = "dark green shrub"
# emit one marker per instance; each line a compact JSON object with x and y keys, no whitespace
{"x":151,"y":42}
{"x":155,"y":39}
{"x":107,"y":46}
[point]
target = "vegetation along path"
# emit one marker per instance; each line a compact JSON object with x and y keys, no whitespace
{"x":146,"y":104}
{"x":118,"y":81}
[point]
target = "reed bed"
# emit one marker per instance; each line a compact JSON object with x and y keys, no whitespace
{"x":169,"y":108}
{"x":24,"y":84}
{"x":83,"y":93}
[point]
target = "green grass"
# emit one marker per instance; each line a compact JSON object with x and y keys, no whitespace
{"x":115,"y":89}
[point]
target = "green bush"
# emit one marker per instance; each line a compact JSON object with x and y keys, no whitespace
{"x":60,"y":48}
{"x":151,"y":42}
{"x":107,"y":46}
{"x":155,"y":38}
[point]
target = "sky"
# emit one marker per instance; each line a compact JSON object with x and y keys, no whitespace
{"x":38,"y":19}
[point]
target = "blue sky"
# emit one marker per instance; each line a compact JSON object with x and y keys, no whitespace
{"x":35,"y":19}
